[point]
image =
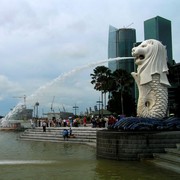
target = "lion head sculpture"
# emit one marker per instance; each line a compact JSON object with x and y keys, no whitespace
{"x":151,"y":58}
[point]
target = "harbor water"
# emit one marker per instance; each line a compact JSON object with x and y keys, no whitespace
{"x":27,"y":160}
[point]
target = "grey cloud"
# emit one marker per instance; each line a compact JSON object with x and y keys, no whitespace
{"x":39,"y":41}
{"x":9,"y":87}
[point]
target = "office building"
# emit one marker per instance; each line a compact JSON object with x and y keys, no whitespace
{"x":160,"y":29}
{"x":120,"y":44}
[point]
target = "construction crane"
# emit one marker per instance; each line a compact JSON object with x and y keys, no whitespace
{"x":52,"y":109}
{"x":59,"y":113}
{"x":24,"y":97}
{"x":63,"y":108}
{"x":128,"y":25}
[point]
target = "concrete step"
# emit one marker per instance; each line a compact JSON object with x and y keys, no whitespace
{"x":167,"y":165}
{"x":167,"y":157}
{"x":173,"y":151}
{"x":73,"y":128}
{"x":54,"y":134}
{"x":50,"y":137}
{"x":76,"y":134}
{"x":178,"y":146}
{"x":169,"y":160}
{"x":56,"y":138}
{"x":60,"y":141}
{"x":60,"y":133}
{"x":59,"y":130}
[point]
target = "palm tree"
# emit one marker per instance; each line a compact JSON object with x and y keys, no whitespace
{"x":123,"y":81}
{"x":101,"y":78}
{"x":118,"y":84}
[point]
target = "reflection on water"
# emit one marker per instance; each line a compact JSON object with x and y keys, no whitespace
{"x":48,"y":161}
{"x":15,"y":162}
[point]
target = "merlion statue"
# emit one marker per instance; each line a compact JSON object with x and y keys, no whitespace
{"x":151,"y":78}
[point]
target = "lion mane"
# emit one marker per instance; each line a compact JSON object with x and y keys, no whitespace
{"x":152,"y":57}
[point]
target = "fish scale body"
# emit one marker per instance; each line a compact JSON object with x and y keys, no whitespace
{"x":153,"y":99}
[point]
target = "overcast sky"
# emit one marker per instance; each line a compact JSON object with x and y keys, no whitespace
{"x":47,"y":45}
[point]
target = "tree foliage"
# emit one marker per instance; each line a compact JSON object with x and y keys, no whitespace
{"x":119,"y":84}
{"x":100,"y":78}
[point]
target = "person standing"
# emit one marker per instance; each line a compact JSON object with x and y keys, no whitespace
{"x":44,"y":126}
{"x":64,"y":122}
{"x":84,"y":121}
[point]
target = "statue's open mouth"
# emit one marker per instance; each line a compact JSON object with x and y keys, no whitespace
{"x":140,"y":57}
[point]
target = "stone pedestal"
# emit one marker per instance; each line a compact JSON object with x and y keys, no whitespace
{"x":134,"y":145}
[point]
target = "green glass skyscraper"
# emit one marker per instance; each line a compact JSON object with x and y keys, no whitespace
{"x":160,"y":29}
{"x":120,"y":44}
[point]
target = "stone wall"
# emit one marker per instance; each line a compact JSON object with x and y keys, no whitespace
{"x":134,"y":145}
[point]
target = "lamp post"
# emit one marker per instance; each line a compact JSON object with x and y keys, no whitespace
{"x":75,"y":108}
{"x":99,"y":103}
{"x":36,"y":105}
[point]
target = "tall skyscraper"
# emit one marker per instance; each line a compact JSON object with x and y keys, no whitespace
{"x":120,"y":44}
{"x":160,"y":29}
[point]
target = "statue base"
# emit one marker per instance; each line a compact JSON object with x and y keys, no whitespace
{"x":131,"y":146}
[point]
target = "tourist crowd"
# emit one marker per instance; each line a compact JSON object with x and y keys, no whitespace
{"x":94,"y":122}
